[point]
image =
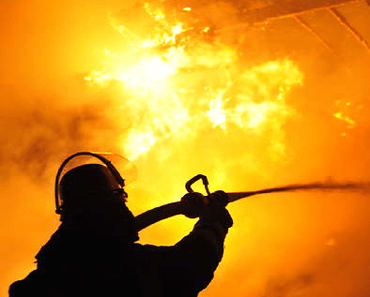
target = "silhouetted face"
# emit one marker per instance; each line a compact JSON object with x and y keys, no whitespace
{"x":92,"y":200}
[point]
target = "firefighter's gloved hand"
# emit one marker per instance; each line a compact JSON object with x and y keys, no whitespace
{"x":209,"y":209}
{"x":193,"y":204}
{"x":215,"y":211}
{"x":219,"y":197}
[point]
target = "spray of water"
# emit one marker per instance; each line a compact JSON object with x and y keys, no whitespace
{"x":318,"y":186}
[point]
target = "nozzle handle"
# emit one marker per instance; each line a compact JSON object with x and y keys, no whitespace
{"x":190,"y":182}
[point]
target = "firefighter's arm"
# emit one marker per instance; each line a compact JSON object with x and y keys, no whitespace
{"x":188,"y":267}
{"x":214,"y":219}
{"x":198,"y":254}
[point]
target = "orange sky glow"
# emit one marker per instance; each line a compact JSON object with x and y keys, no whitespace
{"x":181,"y":88}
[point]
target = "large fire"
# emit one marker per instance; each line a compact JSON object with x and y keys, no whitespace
{"x":184,"y":83}
{"x":253,"y":94}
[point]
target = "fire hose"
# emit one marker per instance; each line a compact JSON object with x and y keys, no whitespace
{"x":168,"y":210}
{"x":157,"y":214}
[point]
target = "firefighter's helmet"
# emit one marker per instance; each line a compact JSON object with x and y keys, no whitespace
{"x":91,"y":196}
{"x":87,"y":183}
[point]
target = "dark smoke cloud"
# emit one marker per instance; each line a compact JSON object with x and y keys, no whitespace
{"x":281,"y":287}
{"x":35,"y":133}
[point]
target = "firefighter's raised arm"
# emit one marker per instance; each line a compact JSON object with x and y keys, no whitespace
{"x":214,"y":219}
{"x":186,"y":268}
{"x":201,"y":251}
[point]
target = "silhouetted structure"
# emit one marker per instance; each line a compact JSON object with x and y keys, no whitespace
{"x":93,"y":253}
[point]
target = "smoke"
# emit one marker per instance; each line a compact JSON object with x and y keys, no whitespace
{"x":46,"y":114}
{"x":288,"y":287}
{"x":36,"y":134}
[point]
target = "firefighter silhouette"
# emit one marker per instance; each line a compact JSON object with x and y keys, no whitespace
{"x":93,"y":252}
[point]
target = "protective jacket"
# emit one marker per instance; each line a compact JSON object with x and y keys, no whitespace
{"x":76,"y":264}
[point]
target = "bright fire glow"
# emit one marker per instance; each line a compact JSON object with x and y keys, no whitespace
{"x":189,"y":87}
{"x":344,"y":109}
{"x":184,"y":84}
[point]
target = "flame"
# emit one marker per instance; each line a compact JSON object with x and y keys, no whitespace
{"x":181,"y":92}
{"x":339,"y":115}
{"x":345,"y":108}
{"x":185,"y":84}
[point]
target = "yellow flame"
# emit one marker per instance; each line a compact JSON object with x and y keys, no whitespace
{"x":341,"y":116}
{"x":176,"y":88}
{"x":216,"y":113}
{"x":149,"y":74}
{"x":139,"y":142}
{"x":345,"y":108}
